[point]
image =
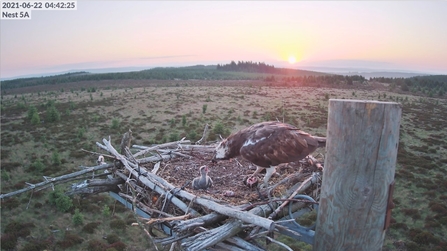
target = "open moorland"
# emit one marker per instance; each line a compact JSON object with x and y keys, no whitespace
{"x":44,"y":128}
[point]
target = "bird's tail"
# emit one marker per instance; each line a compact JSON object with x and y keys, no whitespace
{"x":321,"y":141}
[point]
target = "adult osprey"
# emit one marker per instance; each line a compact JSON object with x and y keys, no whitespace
{"x":267,"y":145}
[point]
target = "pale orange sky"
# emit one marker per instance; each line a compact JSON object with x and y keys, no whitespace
{"x":407,"y":35}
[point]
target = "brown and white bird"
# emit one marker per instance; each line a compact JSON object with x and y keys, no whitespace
{"x":203,"y":181}
{"x":267,"y":145}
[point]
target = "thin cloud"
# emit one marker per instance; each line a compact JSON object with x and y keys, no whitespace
{"x":173,"y":56}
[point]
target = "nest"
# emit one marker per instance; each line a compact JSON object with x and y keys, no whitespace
{"x":228,"y":176}
{"x":228,"y":213}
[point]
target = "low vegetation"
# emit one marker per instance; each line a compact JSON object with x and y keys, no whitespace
{"x":43,"y":129}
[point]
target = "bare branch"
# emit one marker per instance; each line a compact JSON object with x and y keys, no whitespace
{"x":203,"y":135}
{"x":57,"y":179}
{"x":142,"y":152}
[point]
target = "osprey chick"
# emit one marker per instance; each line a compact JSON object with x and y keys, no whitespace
{"x":267,"y":145}
{"x":204,"y":181}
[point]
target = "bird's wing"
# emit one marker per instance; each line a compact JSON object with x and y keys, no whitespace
{"x":271,"y":146}
{"x":286,"y":131}
{"x":195,"y":183}
{"x":209,"y":181}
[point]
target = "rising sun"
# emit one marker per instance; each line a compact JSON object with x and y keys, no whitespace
{"x":292,"y":59}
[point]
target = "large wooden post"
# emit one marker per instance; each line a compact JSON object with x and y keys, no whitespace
{"x":362,"y":141}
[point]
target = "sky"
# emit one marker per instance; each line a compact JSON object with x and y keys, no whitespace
{"x":379,"y":35}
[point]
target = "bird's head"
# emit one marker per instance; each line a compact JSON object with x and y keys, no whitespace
{"x":100,"y":159}
{"x":222,"y":151}
{"x":251,"y":181}
{"x":203,"y":170}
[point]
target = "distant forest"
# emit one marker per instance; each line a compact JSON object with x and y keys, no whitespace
{"x":248,"y":67}
{"x":434,"y":85}
{"x":261,"y":67}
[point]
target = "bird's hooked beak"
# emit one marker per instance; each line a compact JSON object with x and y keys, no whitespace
{"x":214,"y":159}
{"x":220,"y":152}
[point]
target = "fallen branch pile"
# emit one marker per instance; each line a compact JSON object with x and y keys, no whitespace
{"x":204,"y":219}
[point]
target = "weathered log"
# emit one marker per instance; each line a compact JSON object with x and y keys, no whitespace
{"x":96,"y":186}
{"x":234,"y":213}
{"x":173,"y":239}
{"x":201,"y":148}
{"x":142,"y":152}
{"x":203,"y":221}
{"x":105,"y":182}
{"x":155,"y":158}
{"x":175,"y":153}
{"x":185,"y":147}
{"x":50,"y":181}
{"x":65,"y":181}
{"x":213,"y":236}
{"x":93,"y":190}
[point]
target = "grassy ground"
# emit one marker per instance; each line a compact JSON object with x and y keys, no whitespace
{"x":165,"y":111}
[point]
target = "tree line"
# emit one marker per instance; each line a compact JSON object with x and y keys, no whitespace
{"x":263,"y":68}
{"x":247,"y":66}
{"x":434,"y":85}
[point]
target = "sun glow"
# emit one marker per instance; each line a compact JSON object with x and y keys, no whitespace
{"x":292,"y":59}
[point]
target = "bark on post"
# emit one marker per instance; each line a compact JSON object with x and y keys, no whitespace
{"x":362,"y":141}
